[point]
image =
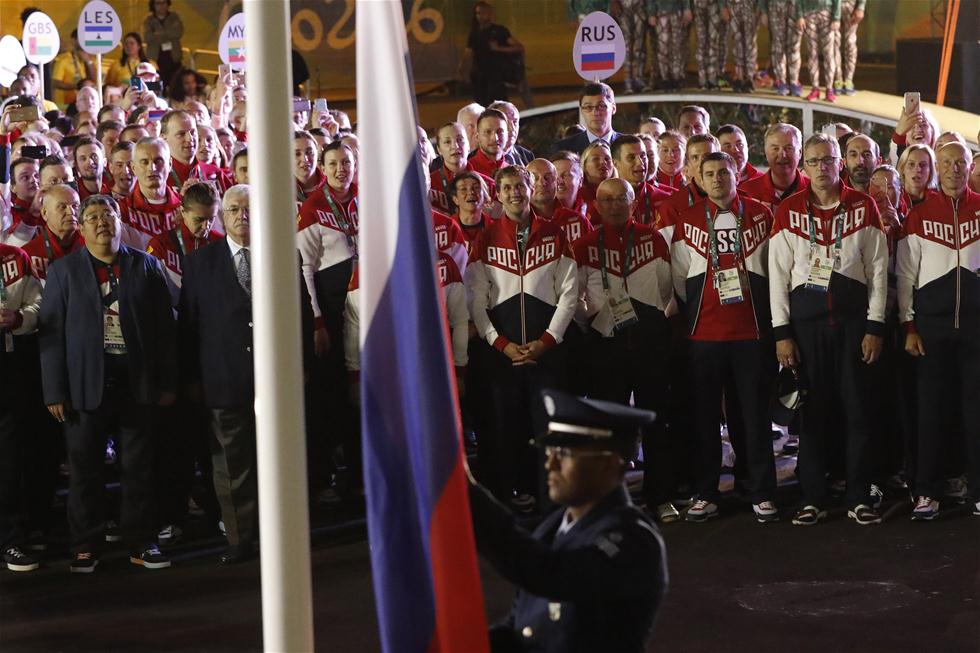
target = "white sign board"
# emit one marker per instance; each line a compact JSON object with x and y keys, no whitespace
{"x":99,"y":28}
{"x":41,"y":40}
{"x":599,"y":49}
{"x":11,"y":59}
{"x":231,"y":44}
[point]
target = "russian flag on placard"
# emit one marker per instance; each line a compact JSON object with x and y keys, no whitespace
{"x":423,"y":557}
{"x":598,"y":57}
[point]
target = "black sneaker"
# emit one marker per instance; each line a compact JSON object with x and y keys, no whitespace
{"x":150,"y":558}
{"x":83,"y":563}
{"x":17,"y":560}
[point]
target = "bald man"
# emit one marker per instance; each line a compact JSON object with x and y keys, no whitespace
{"x":624,"y":276}
{"x":544,"y":202}
{"x":861,"y":157}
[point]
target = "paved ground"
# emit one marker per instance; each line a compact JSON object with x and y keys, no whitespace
{"x":735,"y":586}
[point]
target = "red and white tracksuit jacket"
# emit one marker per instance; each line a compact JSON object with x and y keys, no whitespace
{"x":448,"y":237}
{"x":104,"y":189}
{"x":454,"y":295}
{"x":647,"y":280}
{"x":328,"y":247}
{"x":301,"y":196}
{"x":21,"y":291}
{"x":142,"y":221}
{"x":858,"y":287}
{"x":693,"y":273}
{"x":670,"y":209}
{"x":441,"y":179}
{"x":22,"y":225}
{"x":647,"y":201}
{"x":171,"y":248}
{"x":938,"y":262}
{"x":572,"y":223}
{"x":762,"y":189}
{"x":44,"y":249}
{"x":516,"y":298}
{"x":471,"y":232}
{"x":483,"y":164}
{"x":671,"y":181}
{"x":181,"y":172}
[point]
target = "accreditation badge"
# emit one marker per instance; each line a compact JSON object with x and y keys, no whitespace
{"x":729,"y":285}
{"x":622,"y":309}
{"x":821,"y":269}
{"x":113,"y":340}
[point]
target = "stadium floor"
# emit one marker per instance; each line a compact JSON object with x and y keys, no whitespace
{"x":735,"y":585}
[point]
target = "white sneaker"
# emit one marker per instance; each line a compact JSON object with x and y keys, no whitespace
{"x":169,"y":534}
{"x":926,"y":509}
{"x":701,"y":511}
{"x":666,"y":513}
{"x":976,"y":508}
{"x":876,"y":496}
{"x":765,"y":512}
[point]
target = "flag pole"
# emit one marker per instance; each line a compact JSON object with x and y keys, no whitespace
{"x":287,"y":614}
{"x":98,"y":77}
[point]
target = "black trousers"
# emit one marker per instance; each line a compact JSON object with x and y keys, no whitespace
{"x":743,"y":370}
{"x":235,"y":474}
{"x":507,"y":461}
{"x":679,"y":401}
{"x":635,"y":362}
{"x":85,"y":436}
{"x":182,"y":442}
{"x":948,"y":388}
{"x":838,"y":409}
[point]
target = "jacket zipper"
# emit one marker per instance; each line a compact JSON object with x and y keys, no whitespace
{"x":520,"y":268}
{"x":956,"y":239}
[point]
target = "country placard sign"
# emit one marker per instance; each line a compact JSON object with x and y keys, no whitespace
{"x":40,"y":40}
{"x":11,"y":59}
{"x":99,"y":28}
{"x":231,"y":43}
{"x":599,"y":49}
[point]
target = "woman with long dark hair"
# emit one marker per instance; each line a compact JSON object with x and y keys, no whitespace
{"x":132,"y":55}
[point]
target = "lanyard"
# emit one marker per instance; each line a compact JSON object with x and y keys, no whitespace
{"x":713,"y":236}
{"x":626,"y":262}
{"x":442,"y":177}
{"x":690,"y":195}
{"x":113,"y":294}
{"x":47,"y":245}
{"x":343,"y":220}
{"x":838,"y":239}
{"x":190,"y":175}
{"x":646,"y":205}
{"x":3,"y":290}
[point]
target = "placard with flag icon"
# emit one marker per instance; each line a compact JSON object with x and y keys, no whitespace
{"x":598,"y":57}
{"x":39,"y":47}
{"x":236,"y":51}
{"x":96,"y":35}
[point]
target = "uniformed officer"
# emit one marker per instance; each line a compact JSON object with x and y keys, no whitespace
{"x":594,"y":573}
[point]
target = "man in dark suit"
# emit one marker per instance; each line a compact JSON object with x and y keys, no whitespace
{"x":108,"y":358}
{"x":597,"y":104}
{"x":216,"y":361}
{"x":593,"y":574}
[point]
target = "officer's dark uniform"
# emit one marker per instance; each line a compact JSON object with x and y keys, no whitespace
{"x":597,"y":586}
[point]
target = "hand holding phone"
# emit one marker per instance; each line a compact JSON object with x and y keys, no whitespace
{"x":912,"y":103}
{"x":320,"y":104}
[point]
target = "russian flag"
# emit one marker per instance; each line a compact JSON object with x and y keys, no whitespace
{"x":423,"y":556}
{"x":598,"y":57}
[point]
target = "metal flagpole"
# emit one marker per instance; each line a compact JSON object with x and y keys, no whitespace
{"x":287,"y":613}
{"x":98,"y":77}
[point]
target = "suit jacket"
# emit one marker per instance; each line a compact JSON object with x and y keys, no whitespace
{"x":595,"y":588}
{"x":579,"y":142}
{"x":215,"y":324}
{"x":523,"y":155}
{"x":71,"y":333}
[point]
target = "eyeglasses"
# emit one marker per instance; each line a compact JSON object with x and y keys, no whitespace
{"x":563,"y":453}
{"x":826,"y":161}
{"x":236,"y":210}
{"x":100,"y":217}
{"x":602,"y":107}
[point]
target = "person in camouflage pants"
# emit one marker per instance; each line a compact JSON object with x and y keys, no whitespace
{"x":745,"y":27}
{"x":670,"y":17}
{"x":710,"y":21}
{"x":632,"y":18}
{"x":822,"y":19}
{"x":846,"y":47}
{"x":785,"y":32}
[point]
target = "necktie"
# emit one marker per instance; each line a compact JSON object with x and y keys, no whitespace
{"x":244,"y":271}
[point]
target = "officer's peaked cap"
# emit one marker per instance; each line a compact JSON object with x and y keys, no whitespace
{"x":578,"y":422}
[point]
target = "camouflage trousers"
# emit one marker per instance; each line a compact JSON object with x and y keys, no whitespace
{"x":745,"y":27}
{"x":820,"y":43}
{"x":846,"y":45}
{"x":711,"y":34}
{"x":785,"y":45}
{"x":633,"y":22}
{"x":671,"y":45}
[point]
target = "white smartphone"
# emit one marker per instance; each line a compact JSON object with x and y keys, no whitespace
{"x":830,"y":129}
{"x":320,"y":104}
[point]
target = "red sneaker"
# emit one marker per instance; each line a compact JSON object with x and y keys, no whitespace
{"x":814,"y":94}
{"x":831,"y":96}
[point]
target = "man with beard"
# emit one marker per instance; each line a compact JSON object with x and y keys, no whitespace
{"x":90,"y":166}
{"x":179,"y":129}
{"x":121,"y":170}
{"x":515,"y":152}
{"x":630,"y":159}
{"x":861,"y":158}
{"x":489,"y":156}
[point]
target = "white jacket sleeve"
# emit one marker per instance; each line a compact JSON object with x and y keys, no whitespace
{"x":874,"y":254}
{"x":908,"y":258}
{"x":781,"y":259}
{"x":459,"y":322}
{"x":352,"y":323}
{"x":310,"y":247}
{"x":680,"y":263}
{"x":478,"y":291}
{"x":566,"y":291}
{"x":30,"y":304}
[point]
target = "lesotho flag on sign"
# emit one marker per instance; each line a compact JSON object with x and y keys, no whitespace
{"x":423,"y":557}
{"x":97,"y":35}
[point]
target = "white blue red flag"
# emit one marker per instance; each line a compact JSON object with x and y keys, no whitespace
{"x":423,"y":557}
